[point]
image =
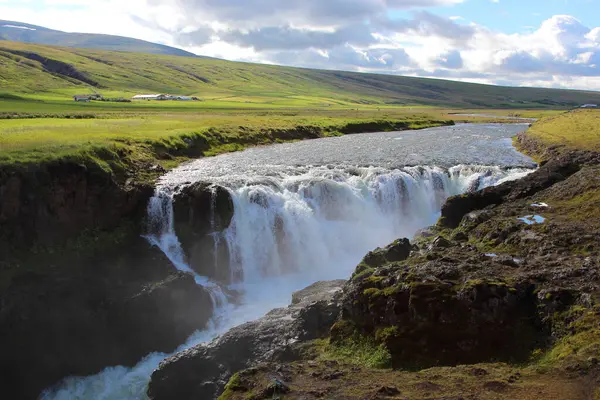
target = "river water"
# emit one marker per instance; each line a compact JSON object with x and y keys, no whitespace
{"x":309,"y":211}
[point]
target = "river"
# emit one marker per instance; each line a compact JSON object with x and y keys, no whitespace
{"x":309,"y":211}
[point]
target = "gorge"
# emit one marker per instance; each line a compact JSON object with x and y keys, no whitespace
{"x":255,"y":226}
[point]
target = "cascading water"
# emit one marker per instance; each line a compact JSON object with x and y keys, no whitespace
{"x":162,"y":234}
{"x":320,"y":222}
{"x":294,"y":225}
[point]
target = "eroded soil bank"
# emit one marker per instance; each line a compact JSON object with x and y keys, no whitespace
{"x":499,"y":300}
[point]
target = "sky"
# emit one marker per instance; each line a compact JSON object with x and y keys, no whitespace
{"x":549,"y":43}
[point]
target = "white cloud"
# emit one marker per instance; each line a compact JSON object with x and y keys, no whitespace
{"x":341,"y":34}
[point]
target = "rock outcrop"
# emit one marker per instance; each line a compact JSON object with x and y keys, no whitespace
{"x":201,"y":372}
{"x":201,"y":211}
{"x":552,"y":172}
{"x":101,"y":311}
{"x":433,"y":314}
{"x":50,"y":204}
{"x":495,"y":287}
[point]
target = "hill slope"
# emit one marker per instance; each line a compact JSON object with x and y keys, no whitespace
{"x":27,"y":33}
{"x":46,"y":71}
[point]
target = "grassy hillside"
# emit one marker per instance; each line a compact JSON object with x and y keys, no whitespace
{"x":21,"y":32}
{"x":577,"y":130}
{"x":55,"y":73}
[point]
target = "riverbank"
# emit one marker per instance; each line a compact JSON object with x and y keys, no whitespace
{"x":94,"y":181}
{"x":498,"y":300}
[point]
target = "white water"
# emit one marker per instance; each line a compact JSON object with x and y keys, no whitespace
{"x":290,"y":229}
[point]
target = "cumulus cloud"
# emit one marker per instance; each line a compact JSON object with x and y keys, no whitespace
{"x":561,"y":46}
{"x":287,"y":37}
{"x":361,"y":35}
{"x":346,"y":58}
{"x":425,"y":23}
{"x":450,"y":60}
{"x":254,"y":13}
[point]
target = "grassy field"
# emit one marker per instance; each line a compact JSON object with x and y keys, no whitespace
{"x":241,"y":104}
{"x":55,"y":73}
{"x":576,"y":130}
{"x":38,"y":139}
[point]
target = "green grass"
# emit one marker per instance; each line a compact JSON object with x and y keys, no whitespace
{"x":577,"y":130}
{"x":241,"y":103}
{"x":362,"y":352}
{"x":38,"y":139}
{"x":228,"y":84}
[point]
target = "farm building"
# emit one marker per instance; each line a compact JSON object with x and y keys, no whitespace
{"x":87,"y":97}
{"x":589,"y":106}
{"x":150,"y":97}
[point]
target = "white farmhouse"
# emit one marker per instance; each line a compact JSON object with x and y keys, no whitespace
{"x":149,"y":97}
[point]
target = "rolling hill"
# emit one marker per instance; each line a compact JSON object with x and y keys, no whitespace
{"x":27,"y":33}
{"x":43,"y":72}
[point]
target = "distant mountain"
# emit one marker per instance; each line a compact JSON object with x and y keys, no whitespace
{"x":27,"y":33}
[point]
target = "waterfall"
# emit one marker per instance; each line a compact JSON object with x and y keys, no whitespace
{"x":290,"y":228}
{"x":320,"y":222}
{"x":161,"y":228}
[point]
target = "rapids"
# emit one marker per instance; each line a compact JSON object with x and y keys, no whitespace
{"x":295,"y":224}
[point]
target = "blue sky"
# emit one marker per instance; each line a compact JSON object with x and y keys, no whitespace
{"x":553,"y":43}
{"x":514,"y":16}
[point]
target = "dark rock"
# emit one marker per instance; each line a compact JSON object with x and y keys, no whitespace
{"x":506,"y":260}
{"x":428,"y":386}
{"x":460,"y":237}
{"x":475,"y":218}
{"x":201,"y":372}
{"x":496,"y":386}
{"x":433,"y":321}
{"x":440,"y":242}
{"x":458,"y":206}
{"x":275,"y":388}
{"x":333,"y":376}
{"x":479,"y":372}
{"x":201,"y":212}
{"x":106,"y":310}
{"x":164,"y":314}
{"x":395,"y":252}
{"x":158,"y":168}
{"x":52,"y":203}
{"x":424,"y":233}
{"x":388,"y":391}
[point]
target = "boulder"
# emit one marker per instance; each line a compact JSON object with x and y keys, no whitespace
{"x":164,"y":314}
{"x":426,"y":321}
{"x":203,"y":371}
{"x":440,"y":242}
{"x":395,"y":252}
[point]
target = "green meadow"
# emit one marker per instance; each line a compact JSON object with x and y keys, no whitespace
{"x":240,"y":104}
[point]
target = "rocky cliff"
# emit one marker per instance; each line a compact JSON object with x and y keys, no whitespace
{"x":498,"y":300}
{"x":80,"y":289}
